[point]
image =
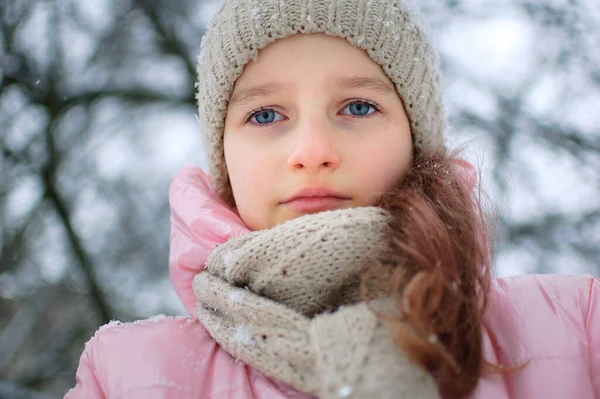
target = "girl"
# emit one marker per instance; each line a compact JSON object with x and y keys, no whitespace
{"x":335,"y":250}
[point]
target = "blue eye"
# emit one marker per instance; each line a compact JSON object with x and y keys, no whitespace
{"x":265,"y":116}
{"x":358,"y":108}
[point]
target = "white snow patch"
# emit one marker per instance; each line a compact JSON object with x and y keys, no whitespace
{"x":158,"y":318}
{"x":236,"y":297}
{"x":345,"y":391}
{"x":154,"y":319}
{"x":110,"y":324}
{"x":229,"y":259}
{"x":242,"y":336}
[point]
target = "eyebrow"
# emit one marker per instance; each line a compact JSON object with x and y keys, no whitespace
{"x":358,"y":82}
{"x":248,"y":94}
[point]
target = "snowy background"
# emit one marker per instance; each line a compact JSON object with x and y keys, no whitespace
{"x":97,"y":112}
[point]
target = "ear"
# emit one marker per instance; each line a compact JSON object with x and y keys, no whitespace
{"x":468,"y":171}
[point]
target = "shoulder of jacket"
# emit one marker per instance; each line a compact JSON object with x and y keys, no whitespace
{"x":154,"y":322}
{"x":129,"y":356}
{"x":158,"y":330}
{"x":566,"y":284}
{"x":541,"y":304}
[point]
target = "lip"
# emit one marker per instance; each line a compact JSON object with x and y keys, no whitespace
{"x":316,"y":199}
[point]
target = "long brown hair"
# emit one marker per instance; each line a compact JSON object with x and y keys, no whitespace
{"x":438,"y":270}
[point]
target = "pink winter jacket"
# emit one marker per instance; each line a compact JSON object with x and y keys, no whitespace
{"x":549,"y":322}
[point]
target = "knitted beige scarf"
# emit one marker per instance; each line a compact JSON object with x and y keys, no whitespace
{"x":286,"y":301}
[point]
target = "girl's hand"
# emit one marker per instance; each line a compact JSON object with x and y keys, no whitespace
{"x":312,"y":263}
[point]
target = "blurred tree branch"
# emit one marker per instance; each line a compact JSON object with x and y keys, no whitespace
{"x":76,"y":85}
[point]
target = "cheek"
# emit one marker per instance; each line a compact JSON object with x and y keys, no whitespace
{"x":244,"y":167}
{"x":249,"y":169}
{"x":385,"y":164}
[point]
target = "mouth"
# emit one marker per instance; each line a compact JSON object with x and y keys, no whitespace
{"x":316,"y":199}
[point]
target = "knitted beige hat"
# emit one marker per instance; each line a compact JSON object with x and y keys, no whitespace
{"x":393,"y":33}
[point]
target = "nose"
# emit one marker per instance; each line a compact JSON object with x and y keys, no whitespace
{"x":313,"y":149}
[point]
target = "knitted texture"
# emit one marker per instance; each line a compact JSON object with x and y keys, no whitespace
{"x":306,"y":263}
{"x":263,"y":295}
{"x":393,"y":33}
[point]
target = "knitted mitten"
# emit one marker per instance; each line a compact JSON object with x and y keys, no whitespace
{"x":311,"y":264}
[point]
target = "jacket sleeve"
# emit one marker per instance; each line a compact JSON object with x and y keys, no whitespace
{"x":593,"y":333}
{"x":88,"y":386}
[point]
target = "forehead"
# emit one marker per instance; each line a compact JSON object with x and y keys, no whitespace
{"x":248,"y":93}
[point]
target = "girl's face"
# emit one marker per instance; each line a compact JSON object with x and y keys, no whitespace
{"x":312,"y":125}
